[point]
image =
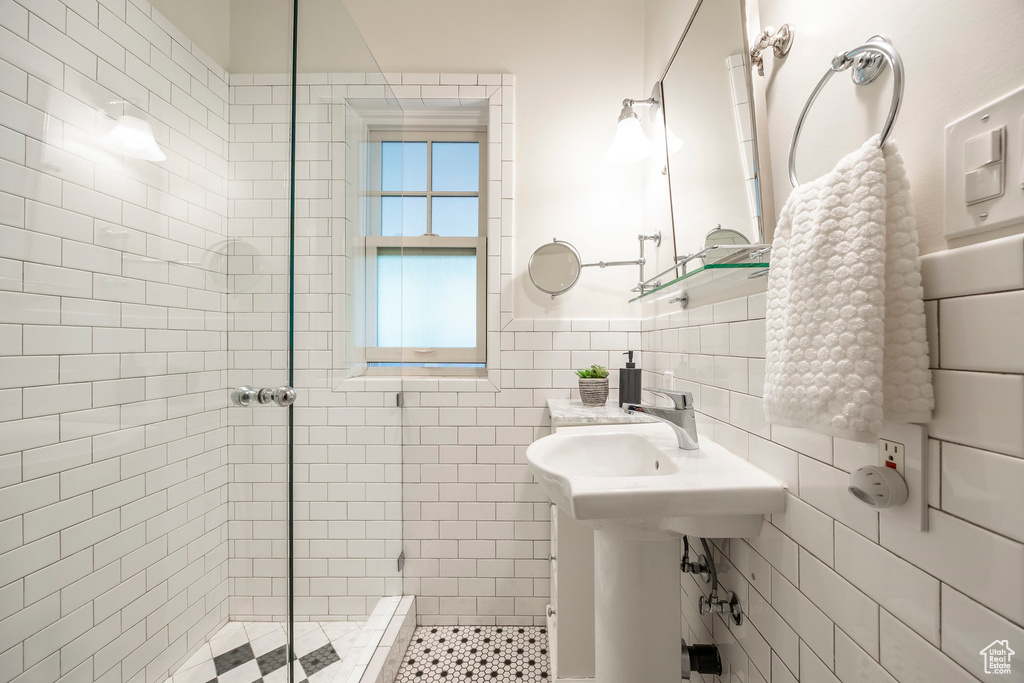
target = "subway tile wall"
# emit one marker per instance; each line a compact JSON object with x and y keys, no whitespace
{"x":451,"y":464}
{"x":477,"y":531}
{"x":351,"y":439}
{"x":113,"y":346}
{"x":832,"y":590}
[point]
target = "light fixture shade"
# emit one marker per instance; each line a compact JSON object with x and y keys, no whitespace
{"x":134,"y":137}
{"x":630,"y":144}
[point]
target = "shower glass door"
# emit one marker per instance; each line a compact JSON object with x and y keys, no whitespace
{"x":346,"y":434}
{"x":319,"y":505}
{"x":319,"y":484}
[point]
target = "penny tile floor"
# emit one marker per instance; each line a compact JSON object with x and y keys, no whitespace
{"x":462,"y":654}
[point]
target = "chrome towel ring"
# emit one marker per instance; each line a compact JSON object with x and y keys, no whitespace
{"x":869,"y":61}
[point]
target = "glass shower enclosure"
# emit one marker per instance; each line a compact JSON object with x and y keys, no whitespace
{"x":316,"y":525}
{"x":186,"y":192}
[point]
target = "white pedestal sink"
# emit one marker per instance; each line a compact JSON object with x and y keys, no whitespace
{"x":637,"y":489}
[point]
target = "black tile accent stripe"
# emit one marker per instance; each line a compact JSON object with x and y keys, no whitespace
{"x":229,"y":660}
{"x":273,"y":660}
{"x":463,"y":654}
{"x":319,"y":659}
{"x":315,"y":661}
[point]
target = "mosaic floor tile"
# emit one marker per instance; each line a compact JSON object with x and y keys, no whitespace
{"x":495,"y":654}
{"x":229,"y":660}
{"x":319,"y":659}
{"x":255,"y":652}
{"x":272,"y":661}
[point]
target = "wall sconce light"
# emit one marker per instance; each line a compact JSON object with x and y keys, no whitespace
{"x":630,"y":144}
{"x":133,"y":137}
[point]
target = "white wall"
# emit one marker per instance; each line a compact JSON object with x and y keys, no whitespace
{"x":957,"y":57}
{"x":940,"y":88}
{"x":574,"y":63}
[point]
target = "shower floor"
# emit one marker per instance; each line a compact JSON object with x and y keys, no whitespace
{"x":254,"y":652}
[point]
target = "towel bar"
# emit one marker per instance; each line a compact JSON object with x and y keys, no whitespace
{"x":868,"y":62}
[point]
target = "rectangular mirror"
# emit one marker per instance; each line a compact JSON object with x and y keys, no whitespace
{"x":718,"y":167}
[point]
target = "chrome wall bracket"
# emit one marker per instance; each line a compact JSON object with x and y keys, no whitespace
{"x":683,"y":300}
{"x":868,"y":66}
{"x":780,"y":41}
{"x":643,"y":286}
{"x":656,"y":238}
{"x":243,"y":396}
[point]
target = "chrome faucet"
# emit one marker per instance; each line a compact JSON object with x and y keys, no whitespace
{"x":679,"y":417}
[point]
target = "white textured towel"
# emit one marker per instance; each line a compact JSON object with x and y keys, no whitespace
{"x":846,"y":333}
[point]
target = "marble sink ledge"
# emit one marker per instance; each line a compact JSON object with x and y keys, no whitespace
{"x":573,"y":412}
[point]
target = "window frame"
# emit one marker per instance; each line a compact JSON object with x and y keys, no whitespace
{"x":426,"y":243}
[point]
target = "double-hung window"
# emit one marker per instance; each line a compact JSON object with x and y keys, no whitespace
{"x":426,"y":252}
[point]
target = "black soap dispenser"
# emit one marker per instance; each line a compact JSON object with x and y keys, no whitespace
{"x":629,"y":381}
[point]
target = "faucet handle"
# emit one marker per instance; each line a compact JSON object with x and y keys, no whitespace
{"x":681,"y":400}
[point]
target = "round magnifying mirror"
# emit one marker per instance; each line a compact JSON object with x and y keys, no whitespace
{"x":555,"y":268}
{"x":723,"y":238}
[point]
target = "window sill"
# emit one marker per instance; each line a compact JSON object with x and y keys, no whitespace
{"x":477,"y":380}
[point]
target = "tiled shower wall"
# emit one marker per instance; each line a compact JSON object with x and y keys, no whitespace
{"x":832,"y":590}
{"x":113,"y":319}
{"x":348,"y":445}
{"x":465,"y":480}
{"x":451,"y":464}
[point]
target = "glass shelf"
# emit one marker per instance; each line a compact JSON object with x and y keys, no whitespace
{"x":711,"y":284}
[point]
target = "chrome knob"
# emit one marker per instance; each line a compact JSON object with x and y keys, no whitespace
{"x":243,"y":396}
{"x":282,"y":396}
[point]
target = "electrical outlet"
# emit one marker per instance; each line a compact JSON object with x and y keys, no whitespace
{"x":892,"y":454}
{"x":908,"y":445}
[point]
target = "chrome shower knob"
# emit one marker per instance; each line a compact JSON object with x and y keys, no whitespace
{"x":243,"y":396}
{"x":283,"y":396}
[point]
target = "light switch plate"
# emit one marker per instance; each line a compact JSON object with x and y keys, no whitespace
{"x":1007,"y":208}
{"x":914,"y":438}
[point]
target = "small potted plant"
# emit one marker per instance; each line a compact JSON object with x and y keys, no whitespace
{"x":593,"y":385}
